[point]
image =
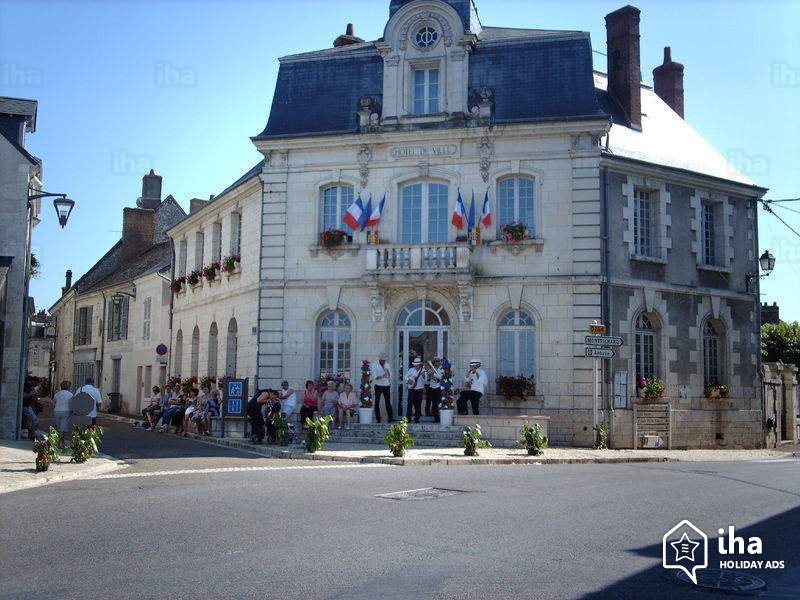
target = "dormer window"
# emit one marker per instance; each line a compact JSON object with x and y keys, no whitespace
{"x":426,"y":91}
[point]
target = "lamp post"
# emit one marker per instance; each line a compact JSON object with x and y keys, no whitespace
{"x":61,"y":203}
{"x":767,"y":264}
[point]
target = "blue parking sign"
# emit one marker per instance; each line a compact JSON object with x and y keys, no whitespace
{"x":234,"y":400}
{"x":234,"y":406}
{"x":235,"y":391}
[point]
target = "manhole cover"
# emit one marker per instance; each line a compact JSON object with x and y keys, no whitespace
{"x":430,"y":493}
{"x":729,"y":581}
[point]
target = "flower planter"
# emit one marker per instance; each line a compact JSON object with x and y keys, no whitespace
{"x":365,"y":416}
{"x":446,"y":417}
{"x":713,"y":395}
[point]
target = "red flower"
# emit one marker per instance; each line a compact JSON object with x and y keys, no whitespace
{"x":94,"y":426}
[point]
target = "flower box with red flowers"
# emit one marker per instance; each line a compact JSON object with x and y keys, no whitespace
{"x":210,"y":272}
{"x":516,"y":387}
{"x":177,"y":284}
{"x":230,"y":264}
{"x":332,"y":238}
{"x":514,"y":232}
{"x":193,"y":278}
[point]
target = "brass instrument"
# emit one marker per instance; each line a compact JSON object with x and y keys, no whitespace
{"x":468,"y":378}
{"x":431,"y":370}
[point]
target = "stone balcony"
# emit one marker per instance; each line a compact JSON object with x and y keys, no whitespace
{"x":415,"y":262}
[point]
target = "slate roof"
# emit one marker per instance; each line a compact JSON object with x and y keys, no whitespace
{"x":535,"y":74}
{"x":21,"y":149}
{"x":466,"y":9}
{"x":111,"y":270}
{"x":665,"y":139}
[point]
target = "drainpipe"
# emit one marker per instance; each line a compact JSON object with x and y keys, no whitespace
{"x":171,"y":305}
{"x":99,"y":381}
{"x":760,"y":374}
{"x":606,"y":301}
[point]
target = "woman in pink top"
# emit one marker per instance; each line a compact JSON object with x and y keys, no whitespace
{"x":347,"y":402}
{"x":310,"y":403}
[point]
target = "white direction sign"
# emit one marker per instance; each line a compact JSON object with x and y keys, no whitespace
{"x":603,"y":340}
{"x":599,"y":353}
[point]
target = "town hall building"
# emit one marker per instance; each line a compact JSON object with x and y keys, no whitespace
{"x":630,"y":219}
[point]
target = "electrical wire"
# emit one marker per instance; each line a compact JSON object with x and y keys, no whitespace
{"x":768,"y":208}
{"x":794,"y":210}
{"x":782,"y":200}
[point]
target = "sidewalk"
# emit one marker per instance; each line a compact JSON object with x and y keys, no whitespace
{"x":18,"y":471}
{"x":368,"y":453}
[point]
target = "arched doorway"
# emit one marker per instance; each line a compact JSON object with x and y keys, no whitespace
{"x":423,"y":330}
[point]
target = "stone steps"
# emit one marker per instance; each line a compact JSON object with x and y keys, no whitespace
{"x":424,"y":434}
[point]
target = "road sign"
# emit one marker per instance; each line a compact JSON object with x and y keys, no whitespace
{"x":599,"y":353}
{"x":603,"y":340}
{"x":234,"y":396}
{"x":597,"y":329}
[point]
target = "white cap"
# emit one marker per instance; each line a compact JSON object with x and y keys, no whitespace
{"x":475,"y":361}
{"x":417,"y":361}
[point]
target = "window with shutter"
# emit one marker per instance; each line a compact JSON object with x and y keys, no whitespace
{"x":182,"y":252}
{"x":216,"y":242}
{"x":199,"y":242}
{"x":236,"y":234}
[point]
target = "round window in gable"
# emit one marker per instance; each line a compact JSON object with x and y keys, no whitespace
{"x":426,"y":38}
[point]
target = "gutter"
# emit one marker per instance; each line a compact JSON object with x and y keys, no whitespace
{"x":99,"y":381}
{"x":606,"y":287}
{"x":171,"y":305}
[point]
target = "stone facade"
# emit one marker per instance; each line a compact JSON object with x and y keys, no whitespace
{"x":19,"y":171}
{"x":214,"y":323}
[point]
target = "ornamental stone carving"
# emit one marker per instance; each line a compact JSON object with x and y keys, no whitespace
{"x":377,"y":302}
{"x":486,"y":151}
{"x":464,"y":301}
{"x":364,"y":157}
{"x":418,"y":19}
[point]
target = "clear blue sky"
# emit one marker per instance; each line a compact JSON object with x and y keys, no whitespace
{"x":180,"y":86}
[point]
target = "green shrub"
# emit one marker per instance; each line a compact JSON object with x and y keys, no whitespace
{"x":472,"y":439}
{"x":533,"y":439}
{"x":85,"y":442}
{"x":602,"y":437}
{"x":317,"y":433}
{"x":47,"y":449}
{"x":398,"y":439}
{"x":281,"y":426}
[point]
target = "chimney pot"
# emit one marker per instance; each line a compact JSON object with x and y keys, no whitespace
{"x":624,"y":71}
{"x":348,"y":38}
{"x":67,"y":282}
{"x":668,"y":82}
{"x":349,"y":30}
{"x":151,"y":191}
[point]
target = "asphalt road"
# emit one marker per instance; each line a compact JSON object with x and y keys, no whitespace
{"x":559,"y":531}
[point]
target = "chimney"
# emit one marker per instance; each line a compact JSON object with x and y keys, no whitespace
{"x":348,"y":38}
{"x":668,"y":79}
{"x":624,"y":72}
{"x":67,"y":282}
{"x":138,"y":231}
{"x":196,"y":204}
{"x":151,"y":191}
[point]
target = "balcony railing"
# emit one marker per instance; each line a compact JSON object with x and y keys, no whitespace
{"x":404,"y":258}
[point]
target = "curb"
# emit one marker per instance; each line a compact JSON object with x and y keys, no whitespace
{"x":296,"y":453}
{"x":109,"y":464}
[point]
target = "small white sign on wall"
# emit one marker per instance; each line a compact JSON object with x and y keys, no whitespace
{"x":620,"y":389}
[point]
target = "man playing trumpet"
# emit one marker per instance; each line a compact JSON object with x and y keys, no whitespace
{"x":474,"y":387}
{"x":415,"y":382}
{"x":433,"y":388}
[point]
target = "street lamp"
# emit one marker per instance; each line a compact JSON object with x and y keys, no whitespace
{"x":63,"y":208}
{"x":61,"y":203}
{"x":767,"y":263}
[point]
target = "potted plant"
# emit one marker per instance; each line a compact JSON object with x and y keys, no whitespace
{"x":514,"y":232}
{"x":85,"y":442}
{"x":208,"y":381}
{"x":189,"y":383}
{"x":46,"y":449}
{"x":517,"y":387}
{"x":177,"y":284}
{"x":472,"y":440}
{"x":281,"y":426}
{"x":317,"y":433}
{"x":398,"y":439}
{"x":210,"y":272}
{"x":365,"y":401}
{"x":174,"y":382}
{"x":446,"y":411}
{"x":231,"y":263}
{"x":533,"y":439}
{"x":713,"y":391}
{"x":651,"y":389}
{"x":332,"y":238}
{"x":193,"y":278}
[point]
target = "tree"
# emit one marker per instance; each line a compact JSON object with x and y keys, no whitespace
{"x":781,"y":342}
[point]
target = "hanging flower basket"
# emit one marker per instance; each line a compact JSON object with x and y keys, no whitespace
{"x":193,"y":278}
{"x":332,"y":238}
{"x":231,"y":263}
{"x":177,"y":284}
{"x":210,"y":272}
{"x":515,"y":232}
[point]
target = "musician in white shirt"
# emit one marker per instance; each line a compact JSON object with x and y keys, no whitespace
{"x":415,"y":384}
{"x":433,"y":391}
{"x":475,"y":384}
{"x":382,"y":380}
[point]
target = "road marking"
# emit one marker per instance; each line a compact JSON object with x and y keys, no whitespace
{"x":234,"y":470}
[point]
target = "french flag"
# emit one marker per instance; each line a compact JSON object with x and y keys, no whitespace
{"x":459,"y":213}
{"x":471,"y":215}
{"x":375,"y":215}
{"x":486,"y":216}
{"x":362,"y":222}
{"x":352,"y":217}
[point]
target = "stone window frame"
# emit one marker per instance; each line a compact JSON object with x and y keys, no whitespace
{"x":183,"y":256}
{"x":652,"y":302}
{"x":199,"y":249}
{"x":425,"y":209}
{"x":410,"y":176}
{"x":318,"y":330}
{"x":518,"y":328}
{"x":716,"y":307}
{"x":656,"y":328}
{"x":719,"y":335}
{"x":513,"y":170}
{"x":724,"y":231}
{"x":426,"y":65}
{"x":342,"y":209}
{"x":660,"y":198}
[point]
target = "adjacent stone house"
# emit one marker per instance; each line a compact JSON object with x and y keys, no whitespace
{"x":112,"y":324}
{"x":632,"y":219}
{"x":215,"y":307}
{"x":19,"y":172}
